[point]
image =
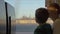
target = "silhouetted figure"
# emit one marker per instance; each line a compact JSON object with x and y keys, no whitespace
{"x":54,"y":11}
{"x":41,"y":16}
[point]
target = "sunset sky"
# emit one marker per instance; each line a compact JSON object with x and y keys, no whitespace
{"x":26,"y":7}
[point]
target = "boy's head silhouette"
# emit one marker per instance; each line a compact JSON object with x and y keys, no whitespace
{"x":41,"y":15}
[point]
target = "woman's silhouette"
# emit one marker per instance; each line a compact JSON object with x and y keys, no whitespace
{"x":54,"y":12}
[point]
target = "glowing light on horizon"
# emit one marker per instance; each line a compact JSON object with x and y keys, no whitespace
{"x":31,"y":21}
{"x":25,"y":22}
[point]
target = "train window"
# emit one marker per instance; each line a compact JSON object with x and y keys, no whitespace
{"x":25,"y":15}
{"x":18,"y":16}
{"x":22,"y":14}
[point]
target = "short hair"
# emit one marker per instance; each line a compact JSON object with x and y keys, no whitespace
{"x":55,"y":5}
{"x":41,"y":15}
